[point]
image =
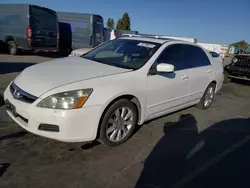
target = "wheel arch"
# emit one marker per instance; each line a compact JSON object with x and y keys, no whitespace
{"x":131,"y":98}
{"x":9,"y":38}
{"x":214,"y":82}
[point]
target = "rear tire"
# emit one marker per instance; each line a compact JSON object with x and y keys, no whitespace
{"x":12,"y":47}
{"x":207,"y":98}
{"x":118,"y":123}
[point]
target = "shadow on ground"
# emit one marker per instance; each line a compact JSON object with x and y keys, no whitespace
{"x":1,"y":100}
{"x":8,"y":67}
{"x":13,"y":135}
{"x":3,"y":168}
{"x":243,"y":82}
{"x":216,"y":157}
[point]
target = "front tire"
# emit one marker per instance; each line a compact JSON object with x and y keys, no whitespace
{"x":207,"y":98}
{"x":118,"y":123}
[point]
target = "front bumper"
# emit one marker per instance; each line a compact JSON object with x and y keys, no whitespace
{"x":238,"y":71}
{"x":77,"y":125}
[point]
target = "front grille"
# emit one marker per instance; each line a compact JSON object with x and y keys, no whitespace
{"x":244,"y":63}
{"x":21,"y":95}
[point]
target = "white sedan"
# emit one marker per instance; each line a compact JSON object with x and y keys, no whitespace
{"x":104,"y":94}
{"x":216,"y":56}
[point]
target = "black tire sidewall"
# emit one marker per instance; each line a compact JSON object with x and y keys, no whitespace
{"x":15,"y":47}
{"x":103,"y":125}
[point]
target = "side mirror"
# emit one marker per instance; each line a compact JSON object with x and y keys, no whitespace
{"x":165,"y":67}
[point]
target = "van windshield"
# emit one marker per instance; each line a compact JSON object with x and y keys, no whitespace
{"x":43,"y":19}
{"x":124,"y":53}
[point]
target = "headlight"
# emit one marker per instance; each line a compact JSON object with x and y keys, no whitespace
{"x":235,"y":60}
{"x":66,"y":100}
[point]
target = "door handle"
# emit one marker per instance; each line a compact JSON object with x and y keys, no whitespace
{"x":184,"y":77}
{"x":209,"y":71}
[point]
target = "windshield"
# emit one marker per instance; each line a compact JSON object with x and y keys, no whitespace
{"x":233,"y":50}
{"x":247,"y":50}
{"x":124,"y":53}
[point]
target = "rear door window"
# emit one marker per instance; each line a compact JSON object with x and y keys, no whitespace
{"x":195,"y":56}
{"x":43,"y":19}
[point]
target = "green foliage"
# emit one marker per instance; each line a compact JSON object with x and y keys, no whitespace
{"x":119,"y":25}
{"x":110,"y":23}
{"x":126,"y":22}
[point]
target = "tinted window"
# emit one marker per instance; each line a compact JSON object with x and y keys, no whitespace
{"x":12,"y":20}
{"x":43,"y":19}
{"x":173,"y":55}
{"x":195,"y":56}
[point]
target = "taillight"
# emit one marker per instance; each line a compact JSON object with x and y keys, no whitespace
{"x":29,"y":33}
{"x":57,"y":35}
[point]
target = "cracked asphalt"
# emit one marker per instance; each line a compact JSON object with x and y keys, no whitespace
{"x":189,"y":148}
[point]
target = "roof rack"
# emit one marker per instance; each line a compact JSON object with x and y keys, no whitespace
{"x":147,"y":36}
{"x":156,"y":37}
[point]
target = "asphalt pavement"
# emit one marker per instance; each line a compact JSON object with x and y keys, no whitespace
{"x":189,"y":148}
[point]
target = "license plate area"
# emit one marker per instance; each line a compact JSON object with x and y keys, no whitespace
{"x":11,"y":108}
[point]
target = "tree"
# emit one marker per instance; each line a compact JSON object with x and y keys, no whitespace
{"x":126,"y":22}
{"x":119,"y":25}
{"x":110,"y":23}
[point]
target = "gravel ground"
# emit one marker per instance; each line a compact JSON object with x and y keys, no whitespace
{"x":189,"y":148}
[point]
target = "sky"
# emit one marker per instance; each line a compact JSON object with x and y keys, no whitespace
{"x":210,"y":21}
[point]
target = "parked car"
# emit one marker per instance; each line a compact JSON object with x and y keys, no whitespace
{"x":239,"y":67}
{"x":233,"y":50}
{"x":108,"y":91}
{"x":216,"y":56}
{"x":28,"y":27}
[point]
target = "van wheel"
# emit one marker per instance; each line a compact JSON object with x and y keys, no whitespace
{"x":12,"y":47}
{"x":118,"y":123}
{"x":207,"y":98}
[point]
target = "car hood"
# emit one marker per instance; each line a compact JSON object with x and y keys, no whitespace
{"x":42,"y":77}
{"x":80,"y":51}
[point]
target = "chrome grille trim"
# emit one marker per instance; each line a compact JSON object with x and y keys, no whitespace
{"x":22,"y":95}
{"x":242,"y":62}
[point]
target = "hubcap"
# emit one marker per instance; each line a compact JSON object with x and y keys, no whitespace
{"x":119,"y":124}
{"x":209,"y":96}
